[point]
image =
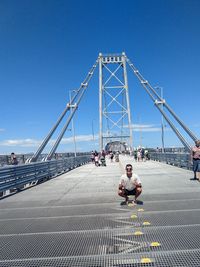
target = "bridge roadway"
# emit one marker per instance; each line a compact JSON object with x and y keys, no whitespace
{"x":76,"y":220}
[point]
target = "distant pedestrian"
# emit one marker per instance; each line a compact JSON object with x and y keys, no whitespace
{"x":135,"y":155}
{"x":96,"y":158}
{"x":117,"y":156}
{"x":195,"y":159}
{"x":13,"y":159}
{"x":142,"y":154}
{"x":111,"y":156}
{"x":146,"y":154}
{"x":96,"y":153}
{"x":139,"y":155}
{"x":92,"y":156}
{"x":103,"y":154}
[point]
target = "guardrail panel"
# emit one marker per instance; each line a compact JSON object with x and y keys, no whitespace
{"x":181,"y":160}
{"x":15,"y":177}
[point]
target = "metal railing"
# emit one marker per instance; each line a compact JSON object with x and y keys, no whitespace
{"x":22,"y":158}
{"x":16,"y":178}
{"x":181,"y":160}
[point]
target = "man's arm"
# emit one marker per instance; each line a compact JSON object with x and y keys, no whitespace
{"x":121,"y":187}
{"x":137,"y":181}
{"x":191,"y":155}
{"x":121,"y":184}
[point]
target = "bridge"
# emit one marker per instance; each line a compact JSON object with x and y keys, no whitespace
{"x":76,"y":219}
{"x":66,"y":211}
{"x":115,"y":122}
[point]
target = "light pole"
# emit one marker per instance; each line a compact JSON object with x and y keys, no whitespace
{"x":140,"y":130}
{"x":72,"y":122}
{"x":93,"y":131}
{"x":162,"y":119}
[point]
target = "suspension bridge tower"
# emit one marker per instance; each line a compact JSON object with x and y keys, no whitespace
{"x":114,"y":104}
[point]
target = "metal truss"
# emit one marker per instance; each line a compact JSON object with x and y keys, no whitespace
{"x":114,"y":106}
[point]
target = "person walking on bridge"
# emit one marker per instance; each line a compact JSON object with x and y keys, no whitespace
{"x":13,"y":159}
{"x":130,"y":184}
{"x":195,"y":158}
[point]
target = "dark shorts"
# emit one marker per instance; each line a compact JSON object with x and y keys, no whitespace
{"x":132,"y":192}
{"x":196,"y":165}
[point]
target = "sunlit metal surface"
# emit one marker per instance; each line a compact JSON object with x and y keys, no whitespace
{"x":77,"y":220}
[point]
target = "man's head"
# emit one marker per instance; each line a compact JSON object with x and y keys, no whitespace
{"x":129,"y":169}
{"x":197,"y":142}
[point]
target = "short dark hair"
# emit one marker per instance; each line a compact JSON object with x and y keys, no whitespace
{"x":129,"y":166}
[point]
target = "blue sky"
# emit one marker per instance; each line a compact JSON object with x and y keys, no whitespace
{"x":47,"y":48}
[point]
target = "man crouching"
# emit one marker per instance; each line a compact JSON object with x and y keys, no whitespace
{"x":130,"y":184}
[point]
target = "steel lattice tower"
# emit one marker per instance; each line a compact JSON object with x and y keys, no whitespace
{"x":114,"y":105}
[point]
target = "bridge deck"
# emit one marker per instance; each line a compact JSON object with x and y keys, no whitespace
{"x":76,"y":220}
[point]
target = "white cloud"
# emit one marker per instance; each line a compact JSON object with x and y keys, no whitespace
{"x":147,"y":128}
{"x":79,"y":138}
{"x":142,"y":125}
{"x":21,"y":142}
{"x":28,"y":142}
{"x":150,"y":129}
{"x":2,"y":130}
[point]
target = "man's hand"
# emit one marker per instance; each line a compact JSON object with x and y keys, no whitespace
{"x":121,"y":187}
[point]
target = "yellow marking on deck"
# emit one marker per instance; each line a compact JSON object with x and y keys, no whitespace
{"x":155,"y":244}
{"x":140,"y":210}
{"x":145,"y":260}
{"x":146,"y":223}
{"x":134,"y":216}
{"x":131,"y":205}
{"x":138,"y":233}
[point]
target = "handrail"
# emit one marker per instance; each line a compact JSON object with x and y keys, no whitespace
{"x":18,"y":177}
{"x":181,"y":160}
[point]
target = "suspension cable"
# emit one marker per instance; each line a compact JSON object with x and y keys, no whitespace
{"x":152,"y":93}
{"x":72,"y":104}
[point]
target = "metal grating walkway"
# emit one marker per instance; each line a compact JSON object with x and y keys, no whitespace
{"x":76,"y":220}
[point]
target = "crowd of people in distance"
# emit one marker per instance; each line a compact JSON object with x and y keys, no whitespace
{"x":99,"y":158}
{"x":141,"y":154}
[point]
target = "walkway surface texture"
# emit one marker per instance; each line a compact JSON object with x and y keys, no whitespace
{"x":76,"y":220}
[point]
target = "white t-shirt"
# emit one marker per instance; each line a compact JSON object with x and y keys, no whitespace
{"x":129,"y":183}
